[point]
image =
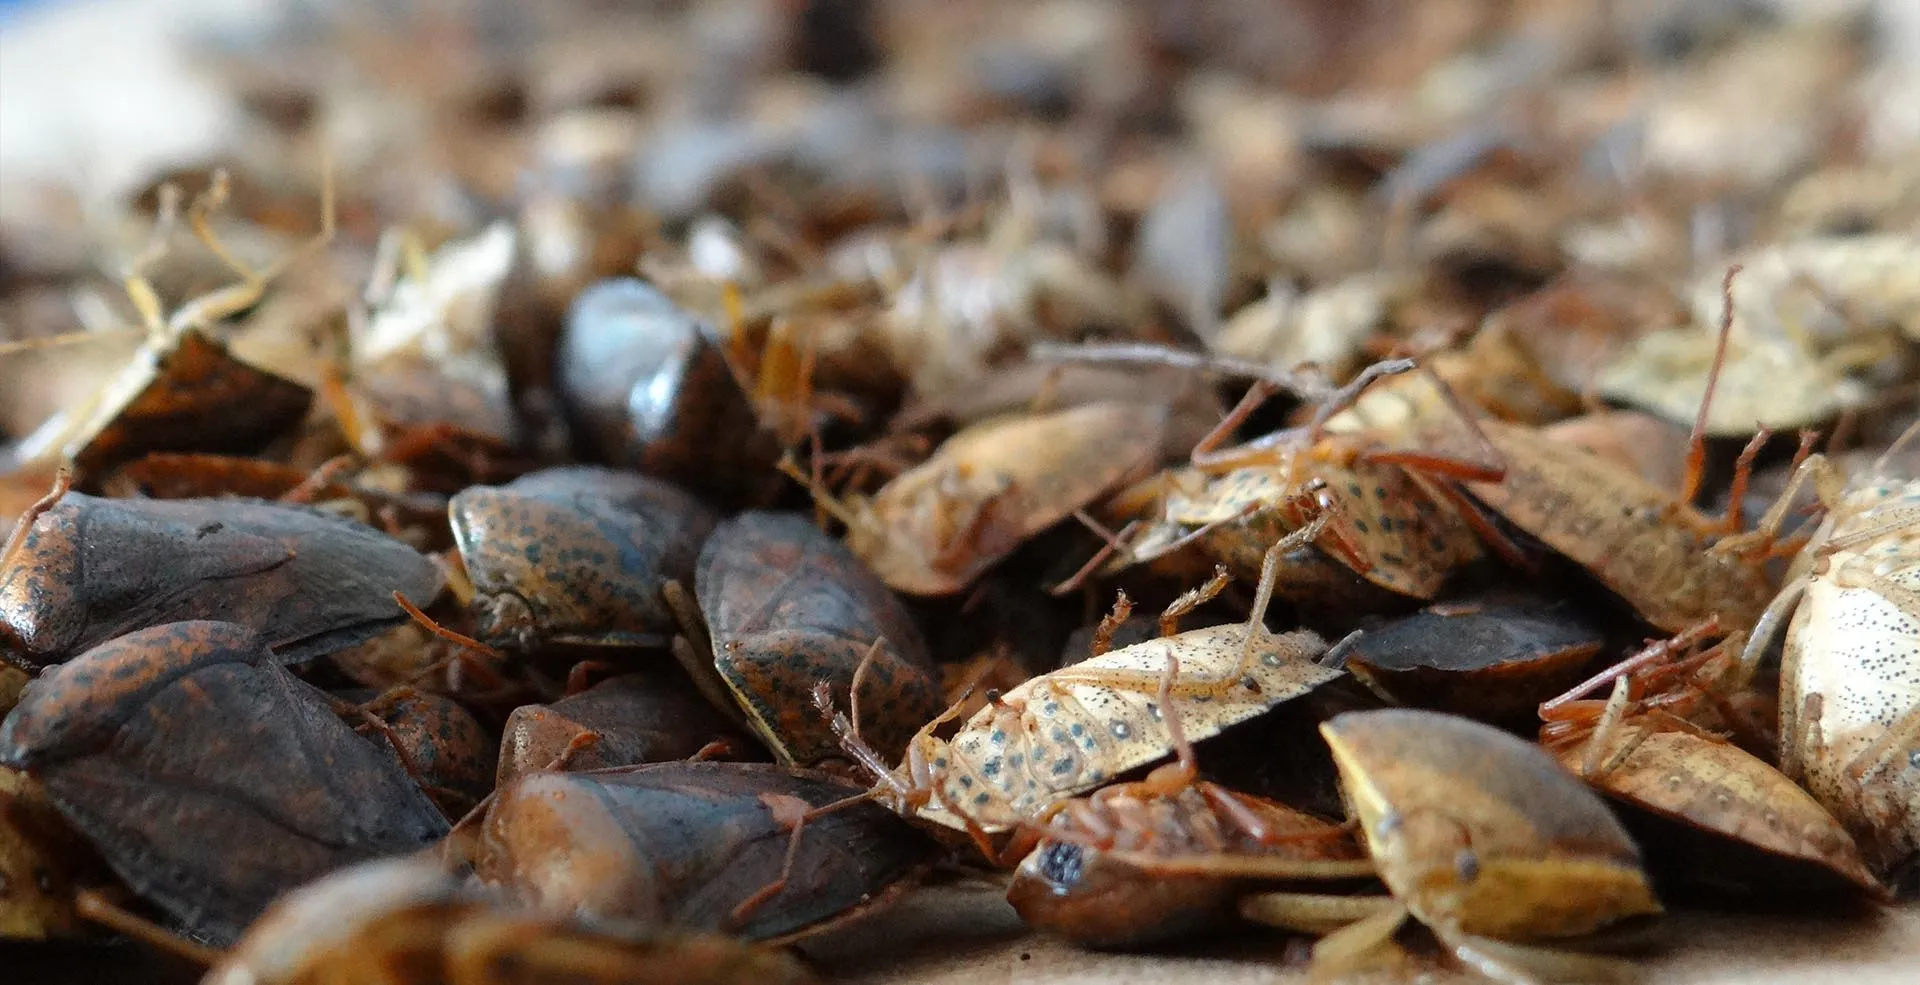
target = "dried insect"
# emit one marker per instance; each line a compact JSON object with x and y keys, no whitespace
{"x":695,"y":846}
{"x":933,"y":529}
{"x":1480,"y":836}
{"x":1137,"y":862}
{"x":1642,"y":746}
{"x":1493,"y":660}
{"x":956,"y":306}
{"x":1652,"y":448}
{"x":167,"y":475}
{"x":453,"y":757}
{"x":1812,"y":320}
{"x":577,"y":555}
{"x":196,"y":726}
{"x":648,"y":385}
{"x":79,"y":571}
{"x":1396,"y":525}
{"x":621,"y":721}
{"x":1647,"y":545}
{"x":427,"y":356}
{"x":182,"y":390}
{"x":787,"y":607}
{"x":1850,"y":672}
{"x":1070,"y":730}
{"x":409,"y":922}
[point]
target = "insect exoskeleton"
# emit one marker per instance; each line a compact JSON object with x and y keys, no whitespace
{"x":1068,"y":731}
{"x":1850,"y":670}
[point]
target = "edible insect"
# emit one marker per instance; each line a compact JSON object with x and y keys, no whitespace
{"x":195,"y":726}
{"x":789,"y":607}
{"x":1070,"y":730}
{"x":182,"y":390}
{"x":452,"y":756}
{"x":935,"y":528}
{"x":1733,"y":824}
{"x":1648,"y":545}
{"x":576,"y":555}
{"x":1480,"y":836}
{"x":1492,"y":660}
{"x":1133,"y":863}
{"x":648,"y":386}
{"x":79,"y":571}
{"x":695,"y":846}
{"x":1850,"y":672}
{"x":621,"y":721}
{"x":1395,"y":526}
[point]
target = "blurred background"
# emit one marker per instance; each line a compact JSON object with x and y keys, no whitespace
{"x":1211,"y":151}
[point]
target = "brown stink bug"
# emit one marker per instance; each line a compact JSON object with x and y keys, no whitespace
{"x":1850,"y":672}
{"x":196,"y":726}
{"x":1397,"y":528}
{"x":787,"y":607}
{"x":79,"y":571}
{"x":1169,"y":854}
{"x":182,"y":390}
{"x":1494,"y":661}
{"x":1479,"y":835}
{"x":935,"y":528}
{"x":648,"y":386}
{"x":1719,"y":817}
{"x":621,"y":721}
{"x":1650,"y":546}
{"x":696,"y":846}
{"x":576,"y":555}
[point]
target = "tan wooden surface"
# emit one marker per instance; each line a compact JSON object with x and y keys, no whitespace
{"x":969,"y":936}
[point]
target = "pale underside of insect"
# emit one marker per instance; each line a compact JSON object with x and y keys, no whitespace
{"x":1850,"y":671}
{"x":1066,"y":732}
{"x":1405,"y":538}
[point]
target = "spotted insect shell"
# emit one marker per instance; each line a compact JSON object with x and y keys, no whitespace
{"x":1855,"y":642}
{"x":1410,"y":541}
{"x":1066,"y":732}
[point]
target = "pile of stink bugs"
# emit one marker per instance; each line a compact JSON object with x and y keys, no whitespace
{"x":625,"y":494}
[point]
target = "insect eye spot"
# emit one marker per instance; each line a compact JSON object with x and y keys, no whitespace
{"x":1467,"y":864}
